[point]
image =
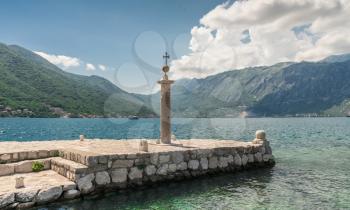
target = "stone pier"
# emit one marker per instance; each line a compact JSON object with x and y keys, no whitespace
{"x":73,"y":169}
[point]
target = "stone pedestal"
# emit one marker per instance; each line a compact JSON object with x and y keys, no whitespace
{"x":19,"y":182}
{"x":165,"y":111}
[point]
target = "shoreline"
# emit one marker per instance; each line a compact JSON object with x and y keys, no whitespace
{"x":266,"y":117}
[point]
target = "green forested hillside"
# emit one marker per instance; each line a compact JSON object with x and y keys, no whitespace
{"x":31,"y":86}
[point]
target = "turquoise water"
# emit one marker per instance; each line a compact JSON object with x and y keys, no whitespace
{"x":312,"y":170}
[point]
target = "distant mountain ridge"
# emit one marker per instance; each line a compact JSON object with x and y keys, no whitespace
{"x":337,"y":58}
{"x":30,"y":86}
{"x":285,"y":89}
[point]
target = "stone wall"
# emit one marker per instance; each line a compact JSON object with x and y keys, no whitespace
{"x":31,"y":197}
{"x":28,"y":155}
{"x":120,"y":171}
{"x":91,"y":173}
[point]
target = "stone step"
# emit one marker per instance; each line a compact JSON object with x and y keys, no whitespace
{"x":13,"y":157}
{"x":67,"y":168}
{"x":22,"y":166}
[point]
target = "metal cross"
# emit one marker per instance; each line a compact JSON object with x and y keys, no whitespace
{"x":166,"y":57}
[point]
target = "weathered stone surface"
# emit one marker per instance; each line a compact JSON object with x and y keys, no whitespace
{"x":258,"y":157}
{"x":204,"y":163}
{"x":32,"y":155}
{"x":7,"y":199}
{"x":213,"y":162}
{"x":181,"y":166}
{"x":150,"y":170}
{"x":139,"y":162}
{"x":43,"y":154}
{"x":154,"y":158}
{"x":109,"y":164}
{"x":11,"y":206}
{"x":177,"y":157}
{"x":102,"y":159}
{"x":262,"y":150}
{"x":238,"y":160}
{"x":193,"y":154}
{"x":258,"y":141}
{"x":5,"y":157}
{"x":6,"y":169}
{"x":193,"y":164}
{"x":26,"y":196}
{"x":119,"y":175}
{"x":135,"y":173}
{"x":25,"y":205}
{"x":131,"y":156}
{"x":49,"y":194}
{"x":266,"y":157}
{"x":172,"y":167}
{"x":102,"y":178}
{"x":15,"y":156}
{"x":204,"y":153}
{"x":163,"y":169}
{"x":71,"y":194}
{"x":250,"y":158}
{"x":122,"y":163}
{"x":244,"y":160}
{"x":23,"y":167}
{"x":223,"y":162}
{"x":164,"y":159}
{"x":230,"y":159}
{"x":268,"y":149}
{"x":69,"y":187}
{"x":91,"y":160}
{"x":23,"y":155}
{"x":85,"y":184}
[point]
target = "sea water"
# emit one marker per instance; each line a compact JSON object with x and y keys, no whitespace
{"x":312,"y":155}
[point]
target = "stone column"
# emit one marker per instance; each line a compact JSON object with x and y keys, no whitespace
{"x":165,"y":110}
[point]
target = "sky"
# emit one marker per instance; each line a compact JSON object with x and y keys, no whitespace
{"x":123,"y":41}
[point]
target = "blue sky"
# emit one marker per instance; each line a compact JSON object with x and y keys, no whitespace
{"x":123,"y":41}
{"x":120,"y":35}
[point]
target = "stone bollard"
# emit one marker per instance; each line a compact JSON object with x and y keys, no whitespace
{"x":173,"y":137}
{"x":260,"y":137}
{"x":19,"y":182}
{"x":81,"y":137}
{"x":260,"y":134}
{"x":143,"y":146}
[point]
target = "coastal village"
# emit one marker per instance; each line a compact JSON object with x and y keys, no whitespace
{"x":7,"y":111}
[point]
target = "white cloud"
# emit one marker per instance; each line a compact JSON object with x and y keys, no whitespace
{"x":66,"y":62}
{"x":264,"y":32}
{"x":60,"y":60}
{"x":102,"y":67}
{"x":90,"y":67}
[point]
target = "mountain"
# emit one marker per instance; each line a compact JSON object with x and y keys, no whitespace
{"x":337,"y":58}
{"x":32,"y":86}
{"x":284,"y":89}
